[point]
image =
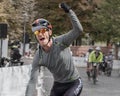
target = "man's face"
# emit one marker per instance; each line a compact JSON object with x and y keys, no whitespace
{"x":43,"y":36}
{"x":97,"y":51}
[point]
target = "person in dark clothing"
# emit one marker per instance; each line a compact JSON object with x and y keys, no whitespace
{"x":15,"y":54}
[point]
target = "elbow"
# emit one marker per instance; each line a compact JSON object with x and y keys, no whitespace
{"x":79,"y":29}
{"x":82,"y":29}
{"x":79,"y":26}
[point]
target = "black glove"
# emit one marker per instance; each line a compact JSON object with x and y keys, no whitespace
{"x":65,"y":7}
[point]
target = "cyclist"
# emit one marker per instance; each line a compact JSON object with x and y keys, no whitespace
{"x":97,"y":57}
{"x":109,"y":61}
{"x":54,"y":53}
{"x":110,"y":56}
{"x":86,"y":59}
{"x":103,"y":65}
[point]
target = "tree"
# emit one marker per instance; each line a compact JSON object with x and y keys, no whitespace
{"x":106,"y":22}
{"x":61,"y":24}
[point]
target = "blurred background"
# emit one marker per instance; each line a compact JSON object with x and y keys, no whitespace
{"x":100,"y":20}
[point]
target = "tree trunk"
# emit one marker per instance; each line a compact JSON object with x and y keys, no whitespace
{"x":116,"y":52}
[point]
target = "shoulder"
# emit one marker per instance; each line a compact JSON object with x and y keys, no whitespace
{"x":93,"y":52}
{"x":101,"y":53}
{"x":57,"y":41}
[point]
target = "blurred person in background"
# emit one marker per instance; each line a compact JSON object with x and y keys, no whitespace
{"x":87,"y":62}
{"x":96,"y":56}
{"x":109,"y":63}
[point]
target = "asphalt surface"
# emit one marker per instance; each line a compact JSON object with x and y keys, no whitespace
{"x":106,"y":86}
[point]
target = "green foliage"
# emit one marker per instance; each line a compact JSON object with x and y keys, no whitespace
{"x":104,"y":25}
{"x":49,"y":10}
{"x":106,"y":22}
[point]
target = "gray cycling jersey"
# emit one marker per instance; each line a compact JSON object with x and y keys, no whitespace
{"x":59,"y":60}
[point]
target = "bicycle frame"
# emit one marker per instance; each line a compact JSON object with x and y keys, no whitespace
{"x":109,"y":68}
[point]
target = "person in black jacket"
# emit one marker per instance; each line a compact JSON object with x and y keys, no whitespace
{"x":15,"y":54}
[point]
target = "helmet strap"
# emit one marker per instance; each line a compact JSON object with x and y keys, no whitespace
{"x":50,"y":36}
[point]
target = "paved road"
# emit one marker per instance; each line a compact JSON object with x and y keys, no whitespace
{"x":106,"y":86}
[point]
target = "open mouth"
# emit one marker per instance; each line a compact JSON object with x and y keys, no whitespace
{"x":41,"y":39}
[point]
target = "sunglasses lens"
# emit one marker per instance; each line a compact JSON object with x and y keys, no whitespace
{"x":40,"y":31}
{"x":36,"y":32}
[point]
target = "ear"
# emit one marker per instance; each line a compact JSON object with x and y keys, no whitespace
{"x":50,"y":32}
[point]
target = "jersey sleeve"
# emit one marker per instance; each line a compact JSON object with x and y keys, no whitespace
{"x":69,"y":37}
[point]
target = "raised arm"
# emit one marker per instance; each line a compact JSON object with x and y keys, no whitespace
{"x":69,"y":37}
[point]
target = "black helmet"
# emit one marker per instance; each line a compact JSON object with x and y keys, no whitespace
{"x":90,"y":49}
{"x":98,"y":48}
{"x":41,"y":23}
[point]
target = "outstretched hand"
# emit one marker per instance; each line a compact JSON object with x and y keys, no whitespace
{"x":65,"y":7}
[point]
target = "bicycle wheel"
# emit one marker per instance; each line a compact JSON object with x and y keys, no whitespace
{"x":94,"y":75}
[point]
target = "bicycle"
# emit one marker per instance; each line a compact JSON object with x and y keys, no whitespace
{"x":6,"y":62}
{"x":109,"y":68}
{"x":94,"y":72}
{"x":15,"y":63}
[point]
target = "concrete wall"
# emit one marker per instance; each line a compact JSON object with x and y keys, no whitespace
{"x":13,"y":80}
